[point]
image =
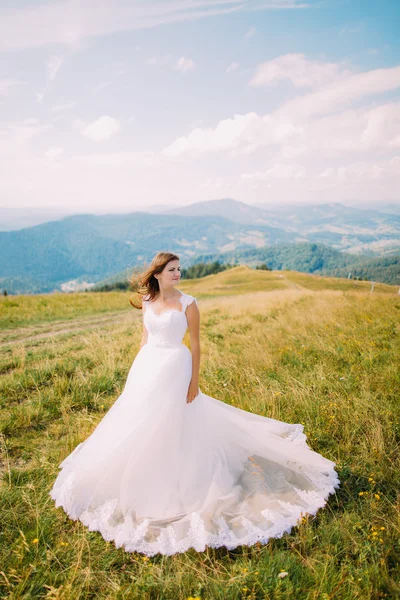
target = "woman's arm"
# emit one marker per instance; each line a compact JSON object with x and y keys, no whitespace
{"x":193,"y":317}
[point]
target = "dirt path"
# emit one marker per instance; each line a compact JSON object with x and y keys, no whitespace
{"x":291,"y":284}
{"x":9,"y":337}
{"x":47,"y":330}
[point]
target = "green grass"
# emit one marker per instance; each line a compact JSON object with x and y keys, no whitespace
{"x":18,"y":311}
{"x":327,"y":358}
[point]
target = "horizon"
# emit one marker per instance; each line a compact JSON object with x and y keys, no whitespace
{"x":159,"y":209}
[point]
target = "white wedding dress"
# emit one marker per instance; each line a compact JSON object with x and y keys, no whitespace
{"x":160,"y":475}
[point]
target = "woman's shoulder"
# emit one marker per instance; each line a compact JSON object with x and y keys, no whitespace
{"x":187,"y":299}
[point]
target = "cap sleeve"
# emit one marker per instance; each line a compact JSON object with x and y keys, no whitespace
{"x":186,"y":300}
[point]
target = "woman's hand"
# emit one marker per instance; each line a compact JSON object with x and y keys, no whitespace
{"x":193,"y":391}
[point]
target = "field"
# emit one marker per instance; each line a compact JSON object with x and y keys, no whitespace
{"x":299,"y":348}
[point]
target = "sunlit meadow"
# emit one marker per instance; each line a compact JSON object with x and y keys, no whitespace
{"x":298,"y":348}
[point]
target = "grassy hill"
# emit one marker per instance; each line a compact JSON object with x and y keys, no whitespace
{"x":314,"y":258}
{"x":298,"y":348}
{"x":35,"y":310}
{"x":308,"y":258}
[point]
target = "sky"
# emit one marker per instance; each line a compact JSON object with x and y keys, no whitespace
{"x":117,"y":105}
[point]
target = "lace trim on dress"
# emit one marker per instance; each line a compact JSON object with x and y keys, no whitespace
{"x":185,"y":300}
{"x":150,"y":537}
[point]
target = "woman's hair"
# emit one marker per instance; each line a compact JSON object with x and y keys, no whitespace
{"x":144,"y":283}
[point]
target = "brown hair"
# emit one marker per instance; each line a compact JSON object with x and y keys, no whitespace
{"x":144,"y":283}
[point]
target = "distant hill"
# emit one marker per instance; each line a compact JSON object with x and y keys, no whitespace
{"x":92,"y":247}
{"x":86,"y":249}
{"x":309,"y":258}
{"x":12,"y":219}
{"x":346,"y":228}
{"x":236,"y":211}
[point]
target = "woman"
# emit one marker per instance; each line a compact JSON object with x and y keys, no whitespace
{"x":171,"y":468}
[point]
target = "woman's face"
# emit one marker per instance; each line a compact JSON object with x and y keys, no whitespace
{"x":171,"y":273}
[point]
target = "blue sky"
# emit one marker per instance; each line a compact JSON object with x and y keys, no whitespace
{"x":117,"y":105}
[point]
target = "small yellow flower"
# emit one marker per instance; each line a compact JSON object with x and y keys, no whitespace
{"x":35,"y":541}
{"x":382,"y":528}
{"x":377,"y":496}
{"x":361,"y":493}
{"x":381,"y":540}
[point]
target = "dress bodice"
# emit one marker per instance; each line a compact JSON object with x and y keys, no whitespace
{"x":169,"y":327}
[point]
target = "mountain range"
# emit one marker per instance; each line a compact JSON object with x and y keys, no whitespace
{"x":85,"y":249}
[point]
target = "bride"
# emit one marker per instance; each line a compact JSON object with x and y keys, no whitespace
{"x":170,"y":468}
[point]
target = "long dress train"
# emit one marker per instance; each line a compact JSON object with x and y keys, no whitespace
{"x":160,"y":475}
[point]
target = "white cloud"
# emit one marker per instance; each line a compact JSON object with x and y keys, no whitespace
{"x":69,"y":22}
{"x":117,"y":160}
{"x":54,"y":152}
{"x":159,"y":60}
{"x":349,"y":29}
{"x":297,"y":69}
{"x":296,"y":123}
{"x":241,"y":134}
{"x":344,"y":91}
{"x":232,"y":67}
{"x":250,"y":33}
{"x":366,"y":180}
{"x":213,"y":183}
{"x":101,"y":129}
{"x":185,"y":64}
{"x":351,"y":131}
{"x":53,"y":66}
{"x":180,"y":64}
{"x":102,"y":85}
{"x":7,"y":84}
{"x":363,"y":171}
{"x":15,"y":137}
{"x":320,"y":144}
{"x":62,"y":107}
{"x":277,"y":171}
